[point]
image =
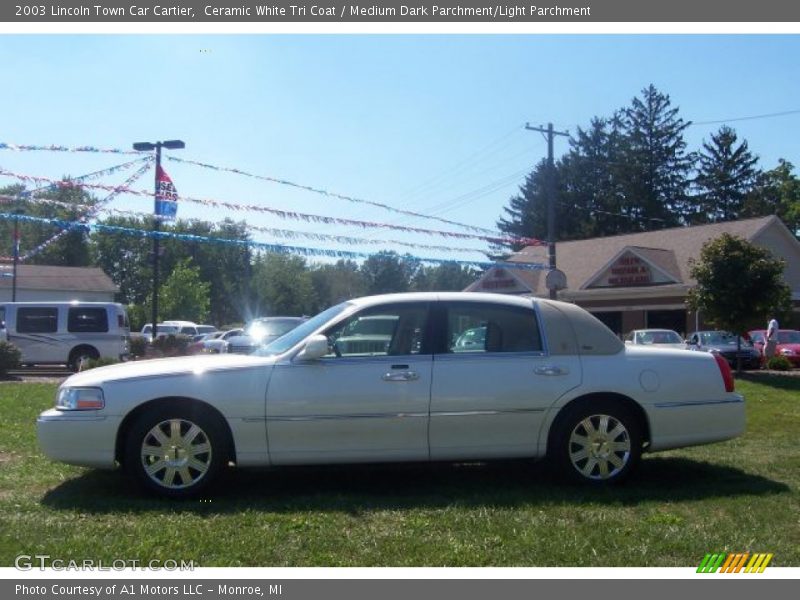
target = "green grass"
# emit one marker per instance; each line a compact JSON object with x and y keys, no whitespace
{"x":741,"y":495}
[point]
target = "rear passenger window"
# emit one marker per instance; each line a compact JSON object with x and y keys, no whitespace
{"x":476,"y":328}
{"x":37,"y":320}
{"x":87,"y":320}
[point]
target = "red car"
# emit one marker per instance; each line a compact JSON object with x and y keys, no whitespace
{"x":788,"y":343}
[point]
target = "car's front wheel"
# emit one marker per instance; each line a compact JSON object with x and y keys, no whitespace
{"x":597,"y":443}
{"x":176,"y":452}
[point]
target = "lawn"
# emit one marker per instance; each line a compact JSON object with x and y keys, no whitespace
{"x":737,"y":496}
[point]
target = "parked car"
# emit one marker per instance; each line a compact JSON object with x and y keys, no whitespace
{"x":163,"y":330}
{"x":552,"y":382}
{"x":214,"y":343}
{"x":663,"y":338}
{"x":260,"y":332}
{"x":725,"y":344}
{"x":67,"y":332}
{"x":788,"y":344}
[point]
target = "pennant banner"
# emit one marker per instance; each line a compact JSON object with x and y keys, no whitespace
{"x":335,"y":195}
{"x":166,"y":196}
{"x":56,"y":148}
{"x":281,"y":233}
{"x":284,"y":214}
{"x":91,"y":212}
{"x":276,"y":248}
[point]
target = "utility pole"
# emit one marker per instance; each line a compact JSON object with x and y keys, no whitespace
{"x":145,"y":146}
{"x":551,"y":197}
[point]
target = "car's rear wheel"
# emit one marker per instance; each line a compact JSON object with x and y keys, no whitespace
{"x":597,"y":443}
{"x":175,"y":451}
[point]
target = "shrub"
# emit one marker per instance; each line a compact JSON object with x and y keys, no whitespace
{"x":103,"y":361}
{"x":173,"y":345}
{"x":779,"y":363}
{"x":10,"y":357}
{"x":138,"y":346}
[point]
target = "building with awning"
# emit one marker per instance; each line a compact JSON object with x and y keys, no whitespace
{"x":640,"y":280}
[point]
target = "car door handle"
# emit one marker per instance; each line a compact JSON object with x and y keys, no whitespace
{"x":400,"y":375}
{"x":551,"y":370}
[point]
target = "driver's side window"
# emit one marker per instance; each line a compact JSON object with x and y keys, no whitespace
{"x":394,"y":330}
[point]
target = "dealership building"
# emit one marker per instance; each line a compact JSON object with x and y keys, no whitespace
{"x":641,"y":280}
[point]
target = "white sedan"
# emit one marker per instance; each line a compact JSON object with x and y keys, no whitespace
{"x":548,"y":380}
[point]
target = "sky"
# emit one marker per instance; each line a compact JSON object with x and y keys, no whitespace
{"x":433,"y":124}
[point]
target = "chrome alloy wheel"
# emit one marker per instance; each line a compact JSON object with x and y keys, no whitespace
{"x":176,"y":454}
{"x":599,"y":447}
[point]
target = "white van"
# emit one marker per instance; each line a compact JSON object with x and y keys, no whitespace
{"x":67,"y":332}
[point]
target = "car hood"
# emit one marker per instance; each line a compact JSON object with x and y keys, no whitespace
{"x":164,"y":367}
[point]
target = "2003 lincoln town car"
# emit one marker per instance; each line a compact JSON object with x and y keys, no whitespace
{"x":549,"y":380}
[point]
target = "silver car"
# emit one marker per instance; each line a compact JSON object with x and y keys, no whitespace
{"x":546,"y":380}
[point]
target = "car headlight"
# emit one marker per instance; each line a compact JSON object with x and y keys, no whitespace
{"x":70,"y":398}
{"x":787,"y":352}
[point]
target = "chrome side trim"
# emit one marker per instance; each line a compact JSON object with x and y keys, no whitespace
{"x":701,"y":403}
{"x":349,"y":417}
{"x":480,"y":413}
{"x":466,"y":413}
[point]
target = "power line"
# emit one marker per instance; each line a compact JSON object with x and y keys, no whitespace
{"x":750,"y":118}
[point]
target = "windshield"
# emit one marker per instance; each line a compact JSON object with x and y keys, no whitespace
{"x":296,"y":335}
{"x":789,"y":337}
{"x":722,"y":338}
{"x":658,"y":337}
{"x":263,"y":328}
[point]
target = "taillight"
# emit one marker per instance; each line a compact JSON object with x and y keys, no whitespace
{"x":725,"y":371}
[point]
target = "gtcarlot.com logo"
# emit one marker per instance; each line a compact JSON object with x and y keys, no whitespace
{"x":742,"y":562}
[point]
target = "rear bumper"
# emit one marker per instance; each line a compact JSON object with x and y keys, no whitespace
{"x":679,"y":424}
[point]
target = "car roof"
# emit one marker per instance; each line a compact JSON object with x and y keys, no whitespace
{"x":444,"y":297}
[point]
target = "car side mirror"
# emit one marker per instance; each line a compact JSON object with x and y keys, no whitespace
{"x":316,"y":347}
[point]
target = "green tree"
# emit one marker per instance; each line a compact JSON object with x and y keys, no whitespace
{"x":68,"y":204}
{"x":281,"y":285}
{"x":776,"y":192}
{"x":739,"y":285}
{"x":184,"y":295}
{"x":726,"y":174}
{"x":335,"y":283}
{"x":386,"y":272}
{"x":591,"y":173}
{"x":127,"y":259}
{"x":446,"y":277}
{"x":656,"y":166}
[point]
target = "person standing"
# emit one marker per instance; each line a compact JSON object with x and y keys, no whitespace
{"x":772,"y":339}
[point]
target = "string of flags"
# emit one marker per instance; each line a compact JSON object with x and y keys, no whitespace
{"x":324,"y":192}
{"x":90,"y":213}
{"x":283,"y":214}
{"x":58,"y":148}
{"x":281,"y":233}
{"x":275,"y":248}
{"x":333,"y":194}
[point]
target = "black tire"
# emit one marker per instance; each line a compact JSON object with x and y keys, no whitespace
{"x":612,"y":448}
{"x":79,"y":354}
{"x":194,"y":449}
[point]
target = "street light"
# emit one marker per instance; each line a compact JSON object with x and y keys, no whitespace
{"x":17,"y":213}
{"x":146,"y":147}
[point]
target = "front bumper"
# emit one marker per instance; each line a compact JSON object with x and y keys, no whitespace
{"x":84,"y":438}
